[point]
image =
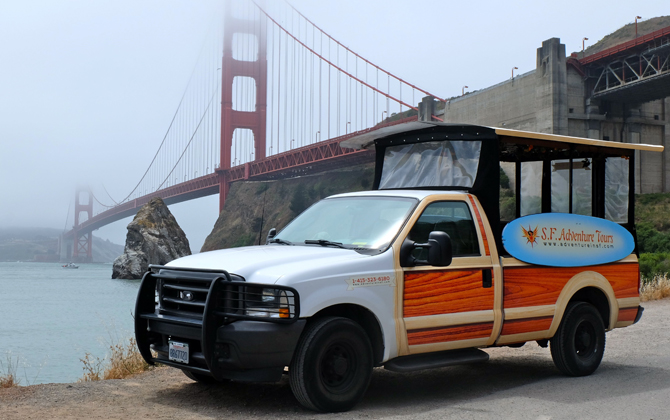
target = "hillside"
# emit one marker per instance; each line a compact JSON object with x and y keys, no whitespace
{"x":627,"y":33}
{"x":41,"y":244}
{"x":253,"y":208}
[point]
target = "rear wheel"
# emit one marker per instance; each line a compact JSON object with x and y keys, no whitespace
{"x":579,"y":343}
{"x":332,"y":365}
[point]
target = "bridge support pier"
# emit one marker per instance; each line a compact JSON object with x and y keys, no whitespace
{"x":224,"y":187}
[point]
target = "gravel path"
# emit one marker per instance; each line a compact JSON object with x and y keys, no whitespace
{"x":633,"y":382}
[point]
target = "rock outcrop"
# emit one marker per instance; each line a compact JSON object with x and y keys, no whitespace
{"x":252,"y":208}
{"x":154,"y":237}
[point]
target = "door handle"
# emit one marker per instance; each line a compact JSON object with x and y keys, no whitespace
{"x":487,"y":279}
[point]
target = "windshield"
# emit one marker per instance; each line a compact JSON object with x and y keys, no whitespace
{"x":363,"y":223}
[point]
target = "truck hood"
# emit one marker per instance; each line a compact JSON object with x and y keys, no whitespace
{"x":268,"y":263}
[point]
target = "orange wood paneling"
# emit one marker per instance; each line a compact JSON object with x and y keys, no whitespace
{"x":481,"y":225}
{"x":533,"y":286}
{"x":444,"y":334}
{"x":518,"y":326}
{"x":445,"y":292}
{"x":627,"y":314}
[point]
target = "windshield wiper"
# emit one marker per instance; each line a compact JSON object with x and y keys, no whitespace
{"x":324,"y":242}
{"x":279,"y":241}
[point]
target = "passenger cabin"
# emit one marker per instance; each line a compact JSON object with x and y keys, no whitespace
{"x":548,"y":173}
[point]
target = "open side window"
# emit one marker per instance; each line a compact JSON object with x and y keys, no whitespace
{"x":453,"y":218}
{"x":584,"y":181}
{"x":617,"y":189}
{"x":572,"y":186}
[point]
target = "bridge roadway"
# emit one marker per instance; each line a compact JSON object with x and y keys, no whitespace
{"x":314,"y":158}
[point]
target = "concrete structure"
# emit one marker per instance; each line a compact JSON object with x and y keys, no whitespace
{"x":556,"y":98}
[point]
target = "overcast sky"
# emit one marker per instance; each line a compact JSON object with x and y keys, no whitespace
{"x":88,"y":87}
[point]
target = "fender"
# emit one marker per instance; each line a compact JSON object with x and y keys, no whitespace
{"x":375,"y":299}
{"x":575,"y":284}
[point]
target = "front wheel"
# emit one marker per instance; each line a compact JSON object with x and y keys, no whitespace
{"x":332,"y":365}
{"x":579,"y":343}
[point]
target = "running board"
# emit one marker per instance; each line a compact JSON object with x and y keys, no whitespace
{"x":436,"y":360}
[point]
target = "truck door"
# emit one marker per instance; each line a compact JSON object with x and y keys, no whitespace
{"x":450,"y":307}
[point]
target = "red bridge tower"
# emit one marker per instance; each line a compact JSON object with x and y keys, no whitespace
{"x":83,"y":241}
{"x":257,"y":70}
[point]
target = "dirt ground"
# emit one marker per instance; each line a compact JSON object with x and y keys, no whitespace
{"x":633,"y":382}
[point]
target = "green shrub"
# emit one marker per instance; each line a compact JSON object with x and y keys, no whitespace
{"x":652,"y":199}
{"x":651,"y":240}
{"x":654,"y":264}
{"x":653,"y":209}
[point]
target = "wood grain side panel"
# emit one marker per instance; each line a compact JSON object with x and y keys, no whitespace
{"x":534,"y":286}
{"x":519,"y":326}
{"x":624,"y":279}
{"x":458,"y":332}
{"x":445,"y":292}
{"x":627,"y":314}
{"x":481,"y":225}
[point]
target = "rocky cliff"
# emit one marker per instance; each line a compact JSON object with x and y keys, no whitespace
{"x":252,"y":208}
{"x":154,"y":237}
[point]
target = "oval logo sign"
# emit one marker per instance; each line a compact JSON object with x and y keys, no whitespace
{"x":566,"y":240}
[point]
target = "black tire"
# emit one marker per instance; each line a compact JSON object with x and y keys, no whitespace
{"x":201,"y":379}
{"x":332,"y":365}
{"x":579,"y":343}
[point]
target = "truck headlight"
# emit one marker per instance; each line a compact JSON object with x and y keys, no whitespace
{"x":269,"y":303}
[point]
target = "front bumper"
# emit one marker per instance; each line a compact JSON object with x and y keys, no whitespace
{"x":221,"y":345}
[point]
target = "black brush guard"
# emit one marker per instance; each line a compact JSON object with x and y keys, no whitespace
{"x":225,"y":303}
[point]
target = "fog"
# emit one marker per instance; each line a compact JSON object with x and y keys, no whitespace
{"x":88,"y":88}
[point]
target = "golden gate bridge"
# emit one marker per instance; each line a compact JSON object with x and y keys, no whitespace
{"x":272,"y":96}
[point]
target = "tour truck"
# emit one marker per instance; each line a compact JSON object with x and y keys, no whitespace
{"x":424,"y":271}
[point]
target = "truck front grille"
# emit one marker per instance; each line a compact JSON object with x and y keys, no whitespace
{"x":184,"y":292}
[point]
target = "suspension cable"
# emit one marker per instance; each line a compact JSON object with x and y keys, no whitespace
{"x":109,"y":195}
{"x":98,"y":201}
{"x":367,"y":61}
{"x":351,"y":76}
{"x":181,"y":101}
{"x":190,"y":140}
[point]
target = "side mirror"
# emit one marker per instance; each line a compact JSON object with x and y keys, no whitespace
{"x":439,"y":251}
{"x":271,"y":234}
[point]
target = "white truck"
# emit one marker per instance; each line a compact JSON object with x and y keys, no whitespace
{"x":419,"y":273}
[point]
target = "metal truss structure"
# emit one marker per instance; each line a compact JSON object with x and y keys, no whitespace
{"x":642,"y":64}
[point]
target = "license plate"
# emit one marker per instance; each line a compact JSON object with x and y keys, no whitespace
{"x":178,"y":352}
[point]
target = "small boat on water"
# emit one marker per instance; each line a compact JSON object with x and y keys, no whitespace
{"x":70,"y":265}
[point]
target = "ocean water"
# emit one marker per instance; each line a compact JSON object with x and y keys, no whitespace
{"x":50,"y":317}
